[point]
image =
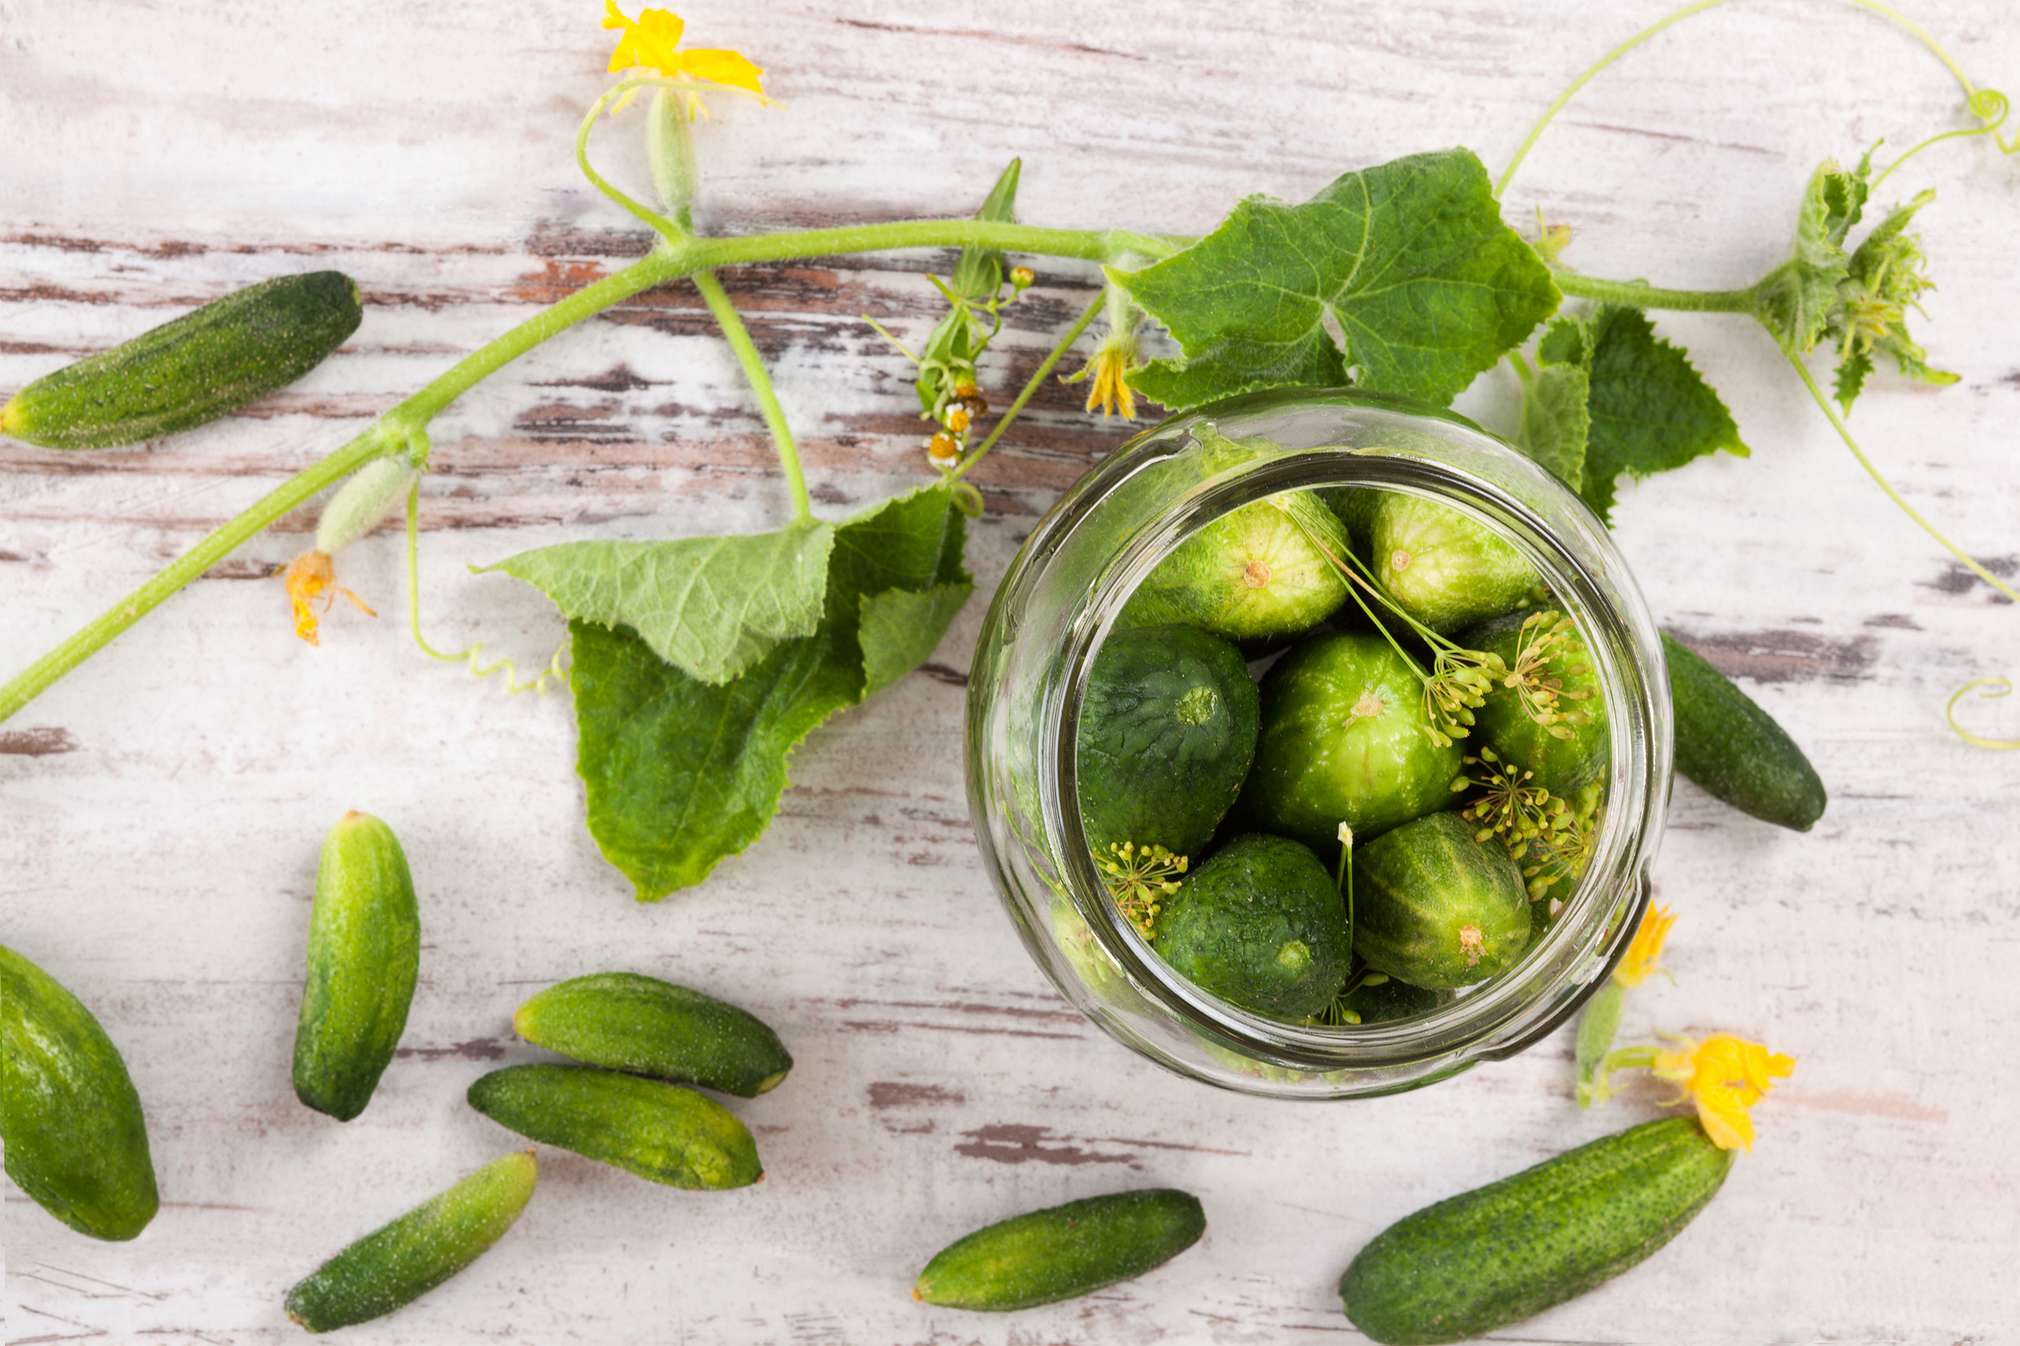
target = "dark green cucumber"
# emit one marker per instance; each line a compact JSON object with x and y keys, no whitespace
{"x":1572,"y":750}
{"x":1436,"y":908}
{"x":1512,"y":1249}
{"x":402,"y":1260}
{"x":625,"y":1021}
{"x":1167,"y":730}
{"x":659,"y":1131}
{"x":70,"y":1120}
{"x":1734,"y":750}
{"x":364,"y":957}
{"x":1062,"y":1251}
{"x":190,"y":371}
{"x":1259,"y":925}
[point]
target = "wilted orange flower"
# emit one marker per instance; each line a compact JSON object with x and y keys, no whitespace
{"x":311,"y":576}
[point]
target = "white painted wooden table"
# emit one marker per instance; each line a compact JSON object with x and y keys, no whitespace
{"x":161,"y":810}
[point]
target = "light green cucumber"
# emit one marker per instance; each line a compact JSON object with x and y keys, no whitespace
{"x":1062,"y":1251}
{"x":659,"y":1131}
{"x":1571,"y":750}
{"x":364,"y":958}
{"x":1436,"y":908}
{"x":1734,"y":750}
{"x":1441,"y":566}
{"x":192,"y":370}
{"x":1512,"y":1249}
{"x":70,"y":1120}
{"x":626,"y":1021}
{"x":402,"y":1260}
{"x":1266,"y":569}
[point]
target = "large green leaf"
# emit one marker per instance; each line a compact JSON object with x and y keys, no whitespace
{"x":680,"y":773}
{"x":1410,"y":259}
{"x":1646,"y":409}
{"x":710,"y":606}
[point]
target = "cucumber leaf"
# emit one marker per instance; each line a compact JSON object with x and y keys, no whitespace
{"x":1647,"y":409}
{"x":680,"y":773}
{"x":1796,"y":300}
{"x":710,"y":606}
{"x":1409,"y":260}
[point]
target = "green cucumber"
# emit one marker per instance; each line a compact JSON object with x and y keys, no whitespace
{"x":1441,"y":566}
{"x":1437,"y":909}
{"x":659,"y":1131}
{"x":1259,"y":925}
{"x":625,"y":1021}
{"x":1571,"y":751}
{"x":1268,"y":568}
{"x":402,"y":1260}
{"x":190,"y":371}
{"x":1167,"y":730}
{"x":70,"y":1121}
{"x":1734,"y":750}
{"x":1343,"y":741}
{"x":1381,"y":999}
{"x":364,"y":958}
{"x":1514,"y":1248}
{"x":1062,"y":1251}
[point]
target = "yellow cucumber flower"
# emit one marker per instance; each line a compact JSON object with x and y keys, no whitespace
{"x":1724,"y":1076}
{"x":311,"y":576}
{"x":1107,"y":376}
{"x":1644,"y":952}
{"x":652,"y":42}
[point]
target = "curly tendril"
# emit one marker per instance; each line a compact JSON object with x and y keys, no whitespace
{"x":1988,"y":689}
{"x":541,"y":683}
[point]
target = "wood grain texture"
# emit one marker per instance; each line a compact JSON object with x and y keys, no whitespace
{"x":160,"y":810}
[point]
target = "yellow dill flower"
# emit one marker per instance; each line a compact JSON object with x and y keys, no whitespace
{"x":1724,"y":1076}
{"x":1107,"y":376}
{"x":311,"y":576}
{"x":652,"y":42}
{"x":1644,"y":952}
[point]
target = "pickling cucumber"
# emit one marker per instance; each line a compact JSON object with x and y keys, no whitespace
{"x":1062,"y":1251}
{"x":1512,"y":1249}
{"x":659,"y":1131}
{"x":364,"y":958}
{"x":1441,"y":566}
{"x":70,"y":1120}
{"x":1343,"y":741}
{"x":402,"y":1260}
{"x":1167,"y":730}
{"x":192,"y":370}
{"x":1734,"y":750}
{"x":1572,"y":749}
{"x":1269,"y":568}
{"x":1437,"y":909}
{"x":1259,"y":925}
{"x":625,"y":1021}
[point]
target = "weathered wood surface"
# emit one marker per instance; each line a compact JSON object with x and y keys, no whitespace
{"x":160,"y":811}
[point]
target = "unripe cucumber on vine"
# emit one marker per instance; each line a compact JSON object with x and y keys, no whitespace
{"x":191,"y":370}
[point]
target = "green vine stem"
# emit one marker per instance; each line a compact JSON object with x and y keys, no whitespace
{"x":1638,"y":294}
{"x":1030,"y":389}
{"x":739,"y":338}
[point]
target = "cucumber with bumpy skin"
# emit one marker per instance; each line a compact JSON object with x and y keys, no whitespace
{"x":192,"y":370}
{"x":1441,"y":566}
{"x":1259,"y":925}
{"x":1266,"y":569}
{"x":402,"y":1260}
{"x":626,"y":1021}
{"x":1734,"y":750}
{"x":659,"y":1131}
{"x":1436,"y":908}
{"x":1569,"y":751}
{"x":1062,"y":1251}
{"x":71,"y":1123}
{"x":1512,"y":1249}
{"x":364,"y":958}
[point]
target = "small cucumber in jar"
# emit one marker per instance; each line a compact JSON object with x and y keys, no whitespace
{"x":1266,"y":569}
{"x":1380,"y":999}
{"x":1734,"y":750}
{"x":1261,"y":926}
{"x":1437,"y":909}
{"x":364,"y":959}
{"x":626,"y":1021}
{"x":658,"y":1131}
{"x":1343,"y":741}
{"x":1442,"y":567}
{"x":1510,"y":1250}
{"x":192,"y":370}
{"x":70,"y":1120}
{"x":1552,"y":720}
{"x":1167,"y":730}
{"x":1063,"y":1251}
{"x":402,"y":1260}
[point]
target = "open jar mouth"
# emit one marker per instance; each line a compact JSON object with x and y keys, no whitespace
{"x":1461,"y":468}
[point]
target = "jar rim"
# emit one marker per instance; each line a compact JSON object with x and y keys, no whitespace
{"x":1512,"y":1010}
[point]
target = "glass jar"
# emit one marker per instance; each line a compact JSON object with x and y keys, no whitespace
{"x":1062,"y":596}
